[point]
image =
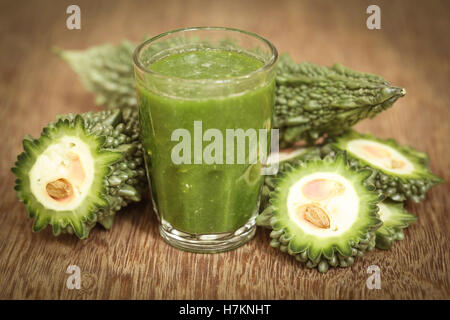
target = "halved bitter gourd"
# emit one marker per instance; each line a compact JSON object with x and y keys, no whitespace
{"x":285,"y":159}
{"x":395,"y":218}
{"x":82,"y":170}
{"x":399,"y":172}
{"x":323,"y":213}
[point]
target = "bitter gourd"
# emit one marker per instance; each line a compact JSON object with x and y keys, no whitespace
{"x":399,"y":172}
{"x":81,"y":170}
{"x":285,"y":159}
{"x":395,"y":218}
{"x":323,"y":213}
{"x":310,"y":100}
{"x":106,"y":71}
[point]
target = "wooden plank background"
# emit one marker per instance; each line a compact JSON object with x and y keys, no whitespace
{"x":131,"y":261}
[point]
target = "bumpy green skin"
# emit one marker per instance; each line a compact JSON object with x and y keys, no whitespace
{"x":314,"y":252}
{"x":312,"y":100}
{"x":113,"y":140}
{"x":396,"y":187}
{"x":392,"y":228}
{"x":106,"y":71}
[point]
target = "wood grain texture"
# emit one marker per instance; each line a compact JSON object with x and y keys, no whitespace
{"x":131,"y":261}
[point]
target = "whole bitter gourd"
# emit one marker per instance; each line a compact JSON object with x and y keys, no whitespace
{"x":310,"y":100}
{"x":81,"y":170}
{"x":106,"y":71}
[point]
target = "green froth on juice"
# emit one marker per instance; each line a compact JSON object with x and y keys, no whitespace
{"x":206,"y":64}
{"x":203,"y":198}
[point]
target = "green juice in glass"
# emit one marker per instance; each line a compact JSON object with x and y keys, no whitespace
{"x":197,"y":199}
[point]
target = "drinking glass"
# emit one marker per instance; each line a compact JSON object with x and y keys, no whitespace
{"x":203,"y":93}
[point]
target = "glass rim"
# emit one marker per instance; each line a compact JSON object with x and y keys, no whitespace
{"x":267,"y":65}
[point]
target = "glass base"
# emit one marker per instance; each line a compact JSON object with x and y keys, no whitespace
{"x":207,"y":243}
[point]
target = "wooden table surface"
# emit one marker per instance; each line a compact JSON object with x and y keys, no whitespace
{"x":131,"y":261}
